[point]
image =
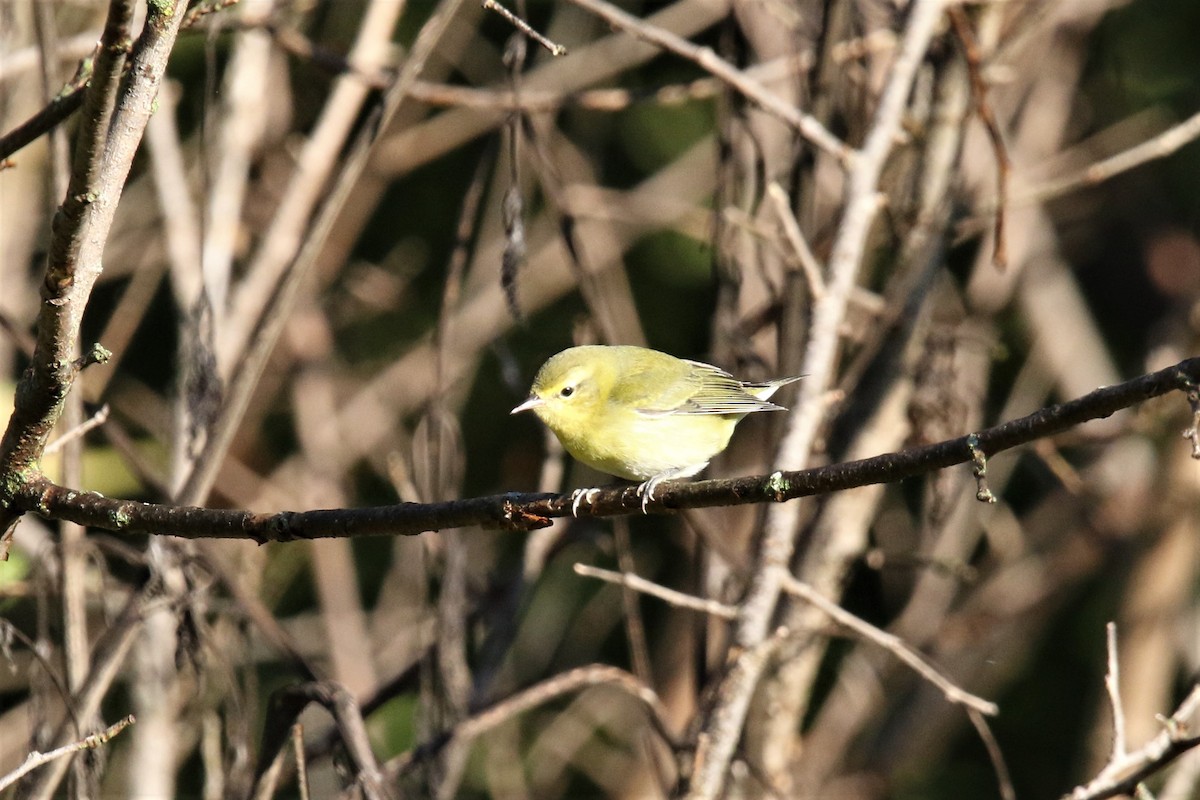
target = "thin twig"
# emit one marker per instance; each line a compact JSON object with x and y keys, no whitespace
{"x":979,"y":88}
{"x":635,"y":629}
{"x":1121,"y":776}
{"x":301,"y":766}
{"x":286,"y":705}
{"x":536,"y":695}
{"x":1003,"y":777}
{"x":54,"y":114}
{"x":90,"y":742}
{"x":1156,"y":147}
{"x":808,"y":126}
{"x":892,"y":643}
{"x":92,"y":422}
{"x":675,"y":598}
{"x":1112,"y":682}
{"x":804,"y":255}
{"x":524,"y":27}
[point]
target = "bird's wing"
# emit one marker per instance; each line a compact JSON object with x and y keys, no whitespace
{"x":698,"y":389}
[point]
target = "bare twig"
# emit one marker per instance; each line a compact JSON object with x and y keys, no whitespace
{"x":804,"y":255}
{"x":640,"y":584}
{"x":808,"y":127}
{"x":1112,"y":683}
{"x":979,"y":88}
{"x":60,"y":108}
{"x":1156,"y":147}
{"x":1121,"y":776}
{"x":301,"y":766}
{"x":635,"y":629}
{"x":92,"y":422}
{"x":524,"y":27}
{"x":892,"y":643}
{"x":544,"y":692}
{"x":1003,"y":778}
{"x":286,"y":705}
{"x":90,"y":742}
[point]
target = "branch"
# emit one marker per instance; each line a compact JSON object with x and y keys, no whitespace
{"x":893,"y":644}
{"x":285,"y":707}
{"x":639,"y":584}
{"x":540,"y":693}
{"x":115,"y":113}
{"x":91,"y":742}
{"x":1124,"y":772}
{"x":704,"y":57}
{"x":515,"y":511}
{"x":44,"y":121}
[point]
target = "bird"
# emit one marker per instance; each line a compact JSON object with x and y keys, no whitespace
{"x":641,"y":414}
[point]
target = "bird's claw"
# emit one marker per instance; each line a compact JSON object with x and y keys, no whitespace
{"x":580,"y":496}
{"x":645,"y":490}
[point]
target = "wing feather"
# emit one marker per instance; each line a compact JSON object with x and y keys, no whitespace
{"x":695,"y":388}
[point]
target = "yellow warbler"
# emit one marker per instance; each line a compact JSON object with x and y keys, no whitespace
{"x":641,"y":414}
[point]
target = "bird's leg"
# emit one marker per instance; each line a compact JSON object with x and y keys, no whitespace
{"x":582,"y":496}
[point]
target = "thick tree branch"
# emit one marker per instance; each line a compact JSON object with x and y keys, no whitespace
{"x":534,"y":510}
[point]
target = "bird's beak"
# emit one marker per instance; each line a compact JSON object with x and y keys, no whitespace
{"x":532,"y":402}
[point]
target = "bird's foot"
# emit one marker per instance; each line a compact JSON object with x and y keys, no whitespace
{"x":581,"y":496}
{"x":646,"y":489}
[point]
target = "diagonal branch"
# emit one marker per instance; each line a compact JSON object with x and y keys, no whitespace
{"x":1123,"y":773}
{"x":806,"y":125}
{"x":115,"y":113}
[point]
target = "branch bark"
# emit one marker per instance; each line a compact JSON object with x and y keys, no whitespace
{"x":516,"y":511}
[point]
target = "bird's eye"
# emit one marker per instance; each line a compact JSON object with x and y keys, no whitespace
{"x":567,"y":391}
